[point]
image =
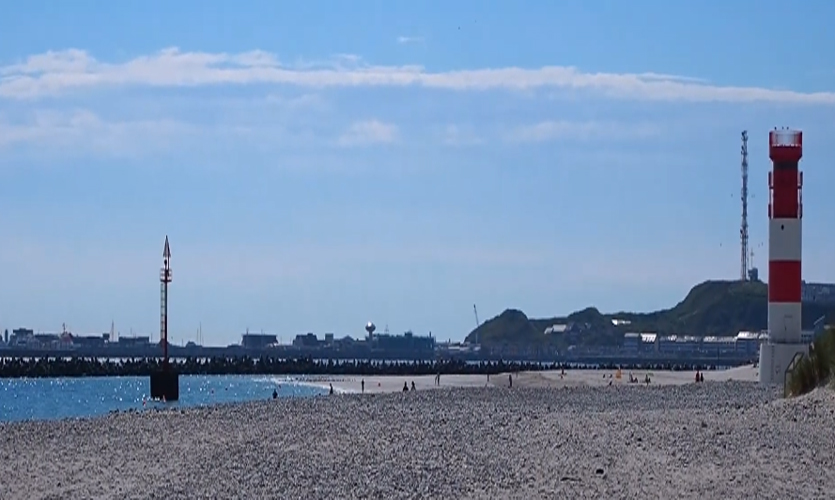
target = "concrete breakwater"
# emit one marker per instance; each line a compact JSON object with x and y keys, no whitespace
{"x":78,"y":367}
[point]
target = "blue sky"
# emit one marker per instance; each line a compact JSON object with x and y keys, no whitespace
{"x":321,"y":165}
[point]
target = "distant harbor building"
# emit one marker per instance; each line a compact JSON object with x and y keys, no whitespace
{"x":556,"y":329}
{"x":631,"y":343}
{"x":749,"y":342}
{"x":744,"y":344}
{"x":649,"y":342}
{"x":717,"y":346}
{"x":89,"y":340}
{"x":306,"y":340}
{"x":678,"y":344}
{"x":22,"y":337}
{"x":49,"y":340}
{"x":143,"y":341}
{"x":817,"y":293}
{"x":258,"y":340}
{"x":635,"y":343}
{"x":408,"y":342}
{"x":26,"y":338}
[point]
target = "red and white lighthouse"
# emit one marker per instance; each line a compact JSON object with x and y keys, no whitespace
{"x":785,"y":213}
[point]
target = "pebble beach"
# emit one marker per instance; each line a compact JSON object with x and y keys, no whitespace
{"x":718,"y":439}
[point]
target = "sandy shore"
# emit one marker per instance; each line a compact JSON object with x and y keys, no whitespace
{"x":722,"y":440}
{"x":544,"y":379}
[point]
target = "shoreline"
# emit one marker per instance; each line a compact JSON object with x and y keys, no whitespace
{"x":377,"y":384}
{"x":319,"y":385}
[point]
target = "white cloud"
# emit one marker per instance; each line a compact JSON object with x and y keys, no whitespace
{"x":84,"y":130}
{"x":457,"y":135}
{"x":368,"y":132}
{"x":49,"y":132}
{"x":410,"y":39}
{"x":555,"y":130}
{"x":305,"y":101}
{"x":52,"y":73}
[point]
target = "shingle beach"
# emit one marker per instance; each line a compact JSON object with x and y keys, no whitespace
{"x":713,"y":440}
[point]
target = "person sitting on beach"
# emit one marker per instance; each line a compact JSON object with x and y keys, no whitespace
{"x":697,"y":377}
{"x":405,"y":387}
{"x":701,"y":377}
{"x":413,"y":385}
{"x":275,"y":394}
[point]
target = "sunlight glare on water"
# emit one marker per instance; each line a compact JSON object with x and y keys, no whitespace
{"x":55,"y":398}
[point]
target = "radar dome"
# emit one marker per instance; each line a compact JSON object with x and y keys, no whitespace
{"x":370,"y":328}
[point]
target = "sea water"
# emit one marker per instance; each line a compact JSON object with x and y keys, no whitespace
{"x":57,"y":398}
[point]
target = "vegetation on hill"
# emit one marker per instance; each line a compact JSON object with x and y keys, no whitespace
{"x":816,"y":368}
{"x":511,"y":326}
{"x":711,"y":308}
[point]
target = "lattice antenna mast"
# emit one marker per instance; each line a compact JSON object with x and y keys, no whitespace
{"x":743,"y":230}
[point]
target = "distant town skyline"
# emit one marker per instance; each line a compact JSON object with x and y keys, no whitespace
{"x":317,"y":166}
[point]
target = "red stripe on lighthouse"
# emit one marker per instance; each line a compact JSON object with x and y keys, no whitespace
{"x":784,"y":281}
{"x":785,"y":194}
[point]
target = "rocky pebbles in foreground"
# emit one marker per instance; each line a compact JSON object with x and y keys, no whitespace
{"x":712,"y":440}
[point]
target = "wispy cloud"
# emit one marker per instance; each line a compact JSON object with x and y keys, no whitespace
{"x":555,"y":130}
{"x":458,"y":135}
{"x":305,"y":101}
{"x":365,"y":133}
{"x":410,"y":39}
{"x":58,"y":132}
{"x":82,"y":130}
{"x":52,"y":73}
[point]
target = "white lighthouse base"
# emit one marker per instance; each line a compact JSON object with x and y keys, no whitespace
{"x":775,"y":360}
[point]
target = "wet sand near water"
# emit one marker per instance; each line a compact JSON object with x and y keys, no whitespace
{"x":544,"y":379}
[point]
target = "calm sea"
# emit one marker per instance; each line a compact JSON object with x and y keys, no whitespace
{"x":56,"y":398}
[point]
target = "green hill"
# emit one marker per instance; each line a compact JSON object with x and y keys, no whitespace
{"x":711,"y":308}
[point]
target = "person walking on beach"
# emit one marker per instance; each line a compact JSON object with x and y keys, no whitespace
{"x":275,"y":394}
{"x":331,"y":389}
{"x":413,"y":385}
{"x":510,"y":380}
{"x":362,"y":386}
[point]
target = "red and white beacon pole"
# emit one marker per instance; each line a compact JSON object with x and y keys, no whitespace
{"x":785,"y":213}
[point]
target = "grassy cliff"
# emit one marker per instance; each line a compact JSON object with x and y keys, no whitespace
{"x":710,"y":308}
